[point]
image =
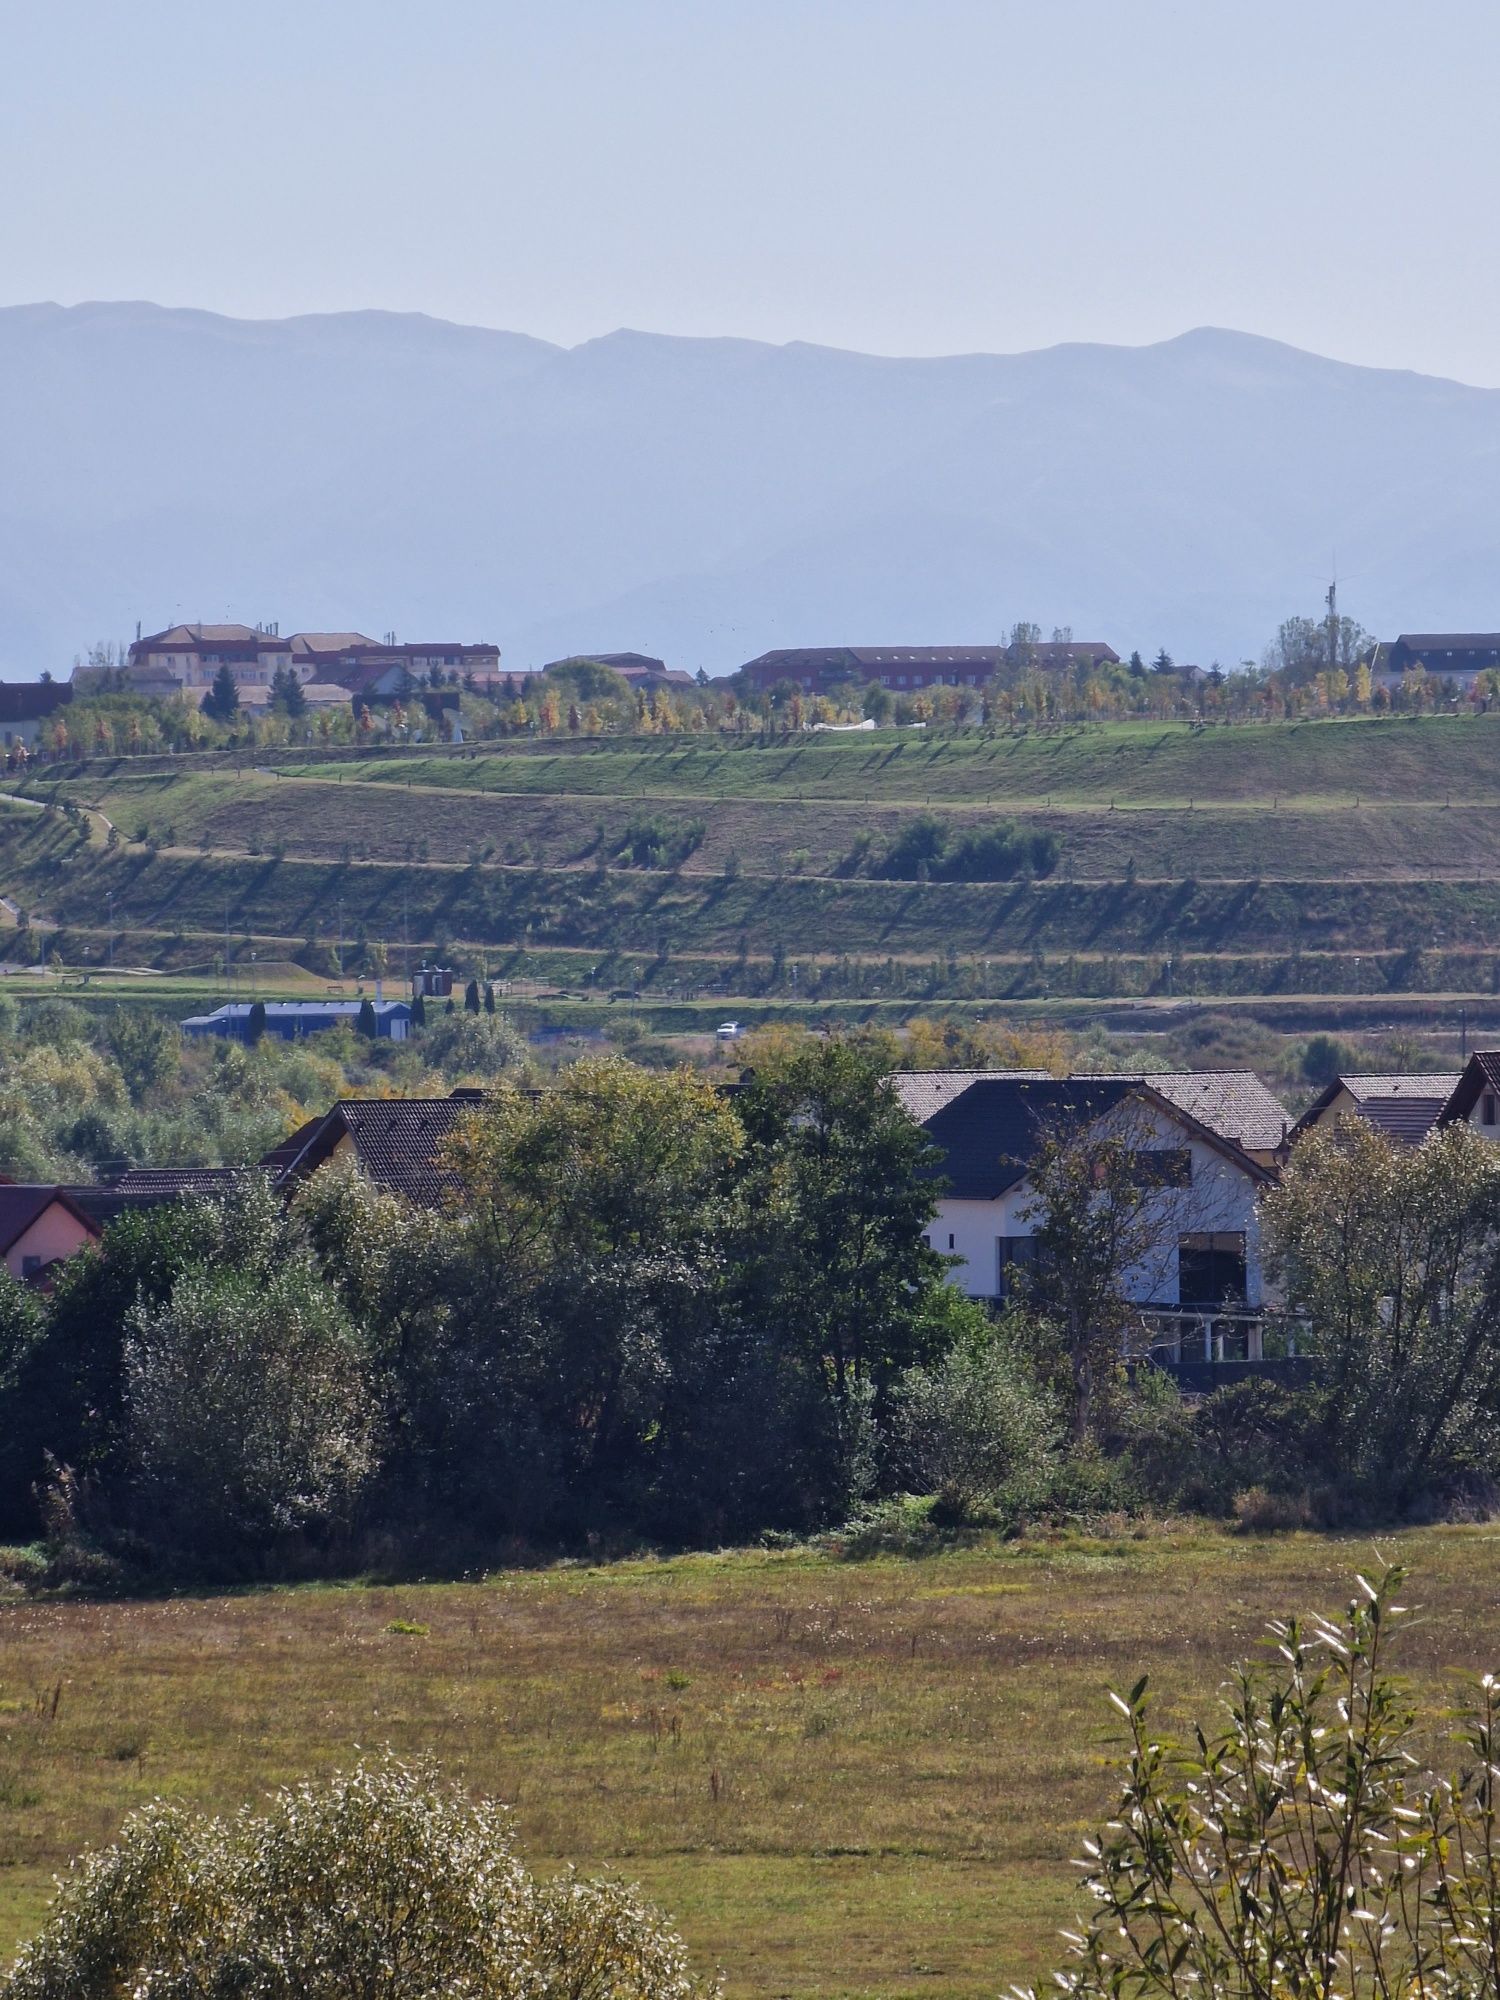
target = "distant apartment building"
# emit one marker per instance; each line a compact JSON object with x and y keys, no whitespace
{"x":639,"y":669}
{"x":904,"y":669}
{"x":1460,"y":657}
{"x":190,"y":657}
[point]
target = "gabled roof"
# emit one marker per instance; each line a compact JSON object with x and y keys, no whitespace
{"x":328,"y":642}
{"x":166,"y":1183}
{"x":992,"y":1130}
{"x":1062,"y":652}
{"x":924,"y":1092}
{"x":1232,"y":1102}
{"x":1404,"y":1106}
{"x":21,"y":1203}
{"x":27,"y":701}
{"x":185,"y":637}
{"x":1482,"y":1073}
{"x":1450,"y":642}
{"x":396,"y":1141}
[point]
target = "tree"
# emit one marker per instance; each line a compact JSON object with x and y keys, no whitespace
{"x":146,"y":1047}
{"x":381,"y":1881}
{"x":418,"y":1011}
{"x":1164,"y":663}
{"x":1393,"y":1254}
{"x":286,"y":694}
{"x":364,"y":1022}
{"x":1106,"y":1212}
{"x":838,"y":1196}
{"x":1296,"y":1847}
{"x":255,"y":1022}
{"x":471,"y":997}
{"x":222,"y":702}
{"x":249,"y":1414}
{"x":489,"y":998}
{"x":598,"y":1216}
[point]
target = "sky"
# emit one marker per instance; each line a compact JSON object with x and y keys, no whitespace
{"x":898,"y":176}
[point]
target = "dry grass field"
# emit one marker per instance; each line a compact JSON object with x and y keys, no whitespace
{"x":841,"y":1778}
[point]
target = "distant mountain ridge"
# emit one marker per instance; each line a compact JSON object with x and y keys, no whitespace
{"x":705,"y":500}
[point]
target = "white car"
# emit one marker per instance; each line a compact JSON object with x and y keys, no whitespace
{"x":729,"y":1031}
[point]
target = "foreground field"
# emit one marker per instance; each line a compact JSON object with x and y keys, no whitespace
{"x":842,"y":1779}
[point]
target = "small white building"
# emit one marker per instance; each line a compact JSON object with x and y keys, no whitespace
{"x":1199,"y":1283}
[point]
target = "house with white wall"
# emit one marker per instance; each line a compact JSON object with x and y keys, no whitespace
{"x":1199,"y":1281}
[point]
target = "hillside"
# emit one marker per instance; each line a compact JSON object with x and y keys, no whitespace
{"x":1353,"y":858}
{"x":706,"y":499}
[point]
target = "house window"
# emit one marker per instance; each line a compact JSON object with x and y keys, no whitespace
{"x":1211,"y":1268}
{"x":1487,"y":1109}
{"x":1162,"y":1166}
{"x":30,"y":1266}
{"x":950,"y":1242}
{"x":1015,"y":1261}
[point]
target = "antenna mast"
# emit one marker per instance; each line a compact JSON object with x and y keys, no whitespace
{"x":1332,"y":601}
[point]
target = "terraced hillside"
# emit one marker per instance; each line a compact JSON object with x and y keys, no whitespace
{"x":1342,"y":858}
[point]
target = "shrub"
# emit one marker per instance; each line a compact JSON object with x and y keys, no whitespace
{"x":1299,"y":1849}
{"x":250,"y":1416}
{"x":654,"y":842}
{"x":928,"y":848}
{"x":1259,"y":1511}
{"x":970,"y":1422}
{"x":470,"y":1044}
{"x":382,"y":1883}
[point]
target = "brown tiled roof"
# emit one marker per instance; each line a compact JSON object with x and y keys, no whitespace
{"x":1481,"y":1074}
{"x":396,"y":1141}
{"x":1402,"y":1105}
{"x":165,"y":1183}
{"x":330,"y":642}
{"x":1232,"y":1102}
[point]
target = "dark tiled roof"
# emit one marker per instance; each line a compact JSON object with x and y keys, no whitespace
{"x":166,"y":1183}
{"x":991,"y":1131}
{"x":1408,"y":1119}
{"x":26,"y":701}
{"x":21,"y":1202}
{"x":1482,"y":1073}
{"x":396,"y":1141}
{"x":1450,"y":642}
{"x":1404,"y":1106}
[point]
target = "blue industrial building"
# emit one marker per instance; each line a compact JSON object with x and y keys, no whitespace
{"x":289,"y":1020}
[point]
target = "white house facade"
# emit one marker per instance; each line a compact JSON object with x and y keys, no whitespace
{"x":1199,"y":1278}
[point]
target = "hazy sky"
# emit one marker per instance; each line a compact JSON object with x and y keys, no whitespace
{"x":908,"y":176}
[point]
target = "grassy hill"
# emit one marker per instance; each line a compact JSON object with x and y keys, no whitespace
{"x":1339,"y":858}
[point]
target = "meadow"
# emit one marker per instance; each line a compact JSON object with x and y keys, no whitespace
{"x":843,"y":1778}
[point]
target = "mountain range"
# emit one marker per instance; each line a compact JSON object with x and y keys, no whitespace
{"x":707,"y":499}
